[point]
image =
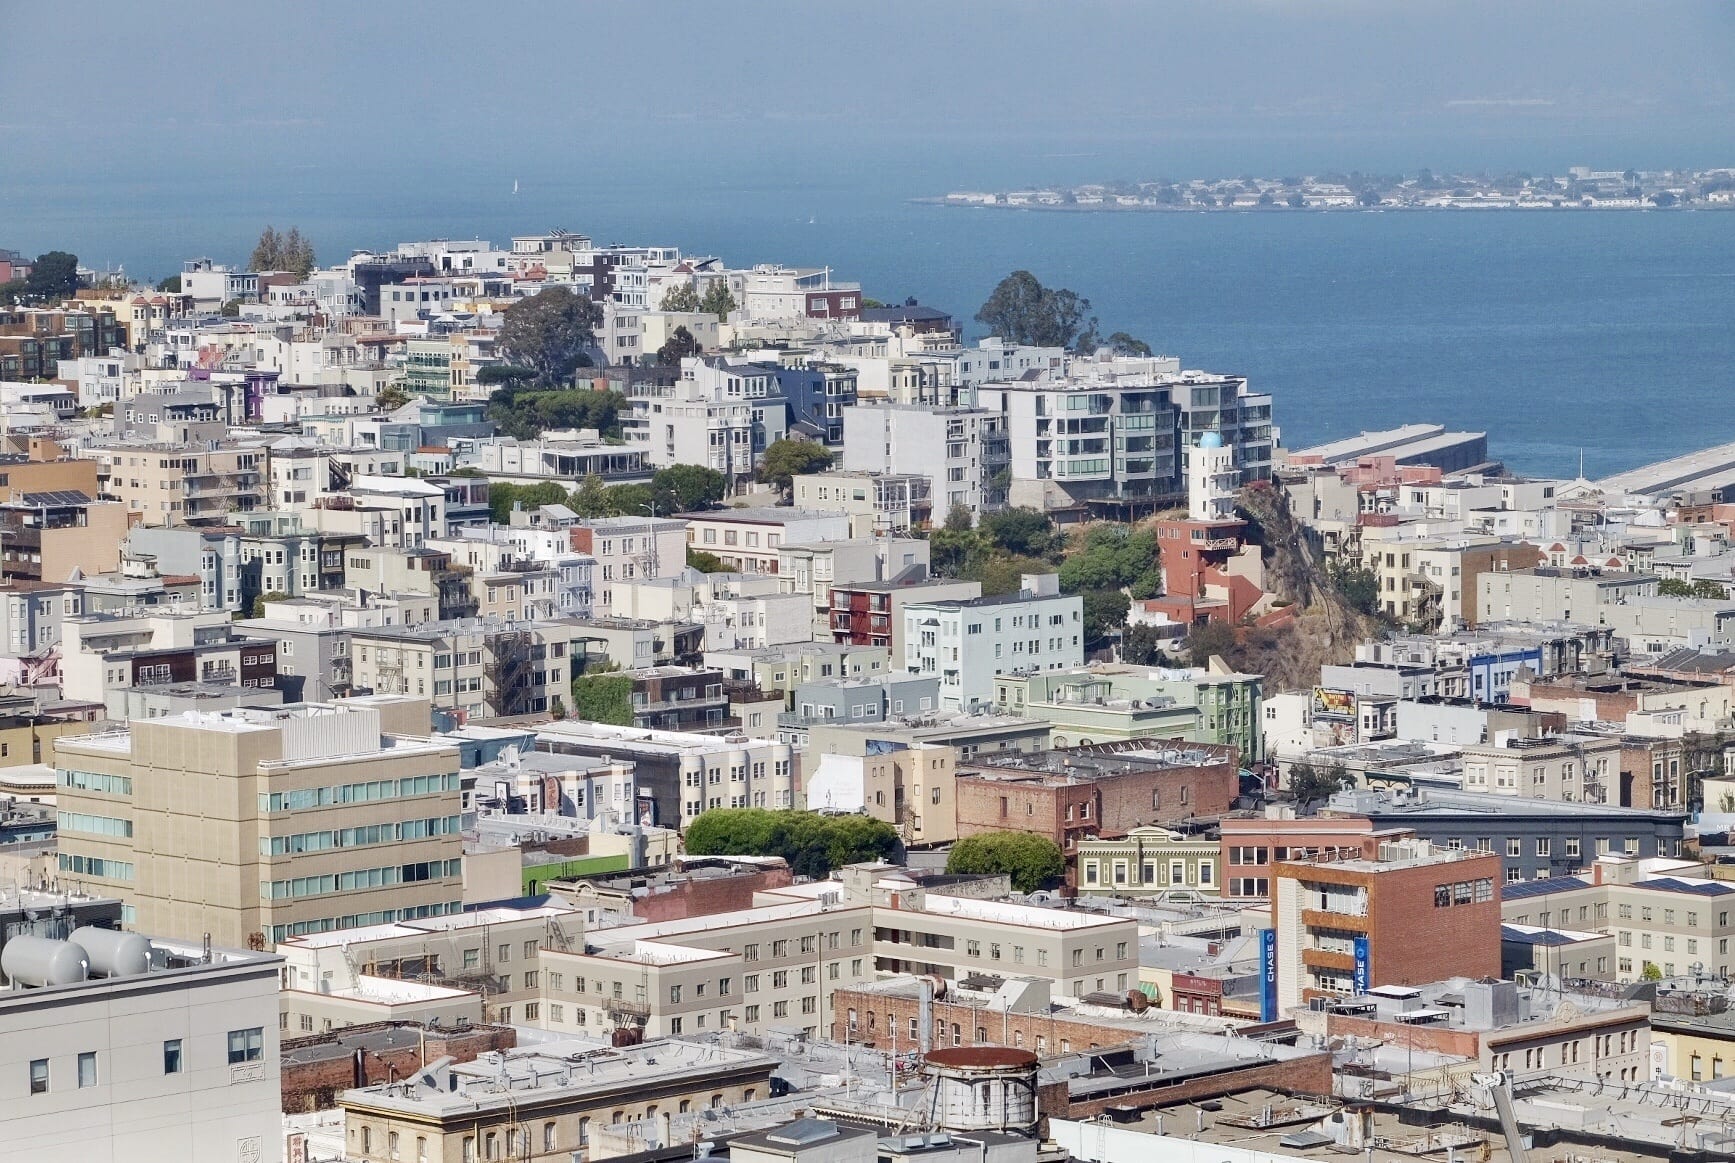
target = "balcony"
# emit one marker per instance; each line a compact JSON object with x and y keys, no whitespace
{"x":1326,"y":959}
{"x":1318,"y":919}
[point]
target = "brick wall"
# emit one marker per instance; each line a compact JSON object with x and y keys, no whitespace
{"x":1110,"y":806}
{"x":1310,"y":1076}
{"x":702,"y":897}
{"x":315,"y":1085}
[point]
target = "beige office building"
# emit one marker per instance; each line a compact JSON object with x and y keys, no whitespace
{"x":255,"y":825}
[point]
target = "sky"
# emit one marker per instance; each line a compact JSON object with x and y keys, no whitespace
{"x":200,"y":84}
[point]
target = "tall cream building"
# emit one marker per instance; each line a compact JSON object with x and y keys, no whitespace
{"x":254,"y":825}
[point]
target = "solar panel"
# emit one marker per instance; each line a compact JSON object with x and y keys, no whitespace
{"x":57,"y":497}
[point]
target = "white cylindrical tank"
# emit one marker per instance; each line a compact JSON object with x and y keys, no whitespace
{"x":38,"y":961}
{"x":983,"y":1088}
{"x":114,"y":953}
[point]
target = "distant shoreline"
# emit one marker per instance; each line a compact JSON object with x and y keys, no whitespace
{"x":1528,"y":208}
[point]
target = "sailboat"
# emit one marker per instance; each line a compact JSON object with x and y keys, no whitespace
{"x":514,"y":185}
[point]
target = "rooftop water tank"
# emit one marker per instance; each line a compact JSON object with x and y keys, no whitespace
{"x":114,"y":953}
{"x":982,"y":1088}
{"x":38,"y":961}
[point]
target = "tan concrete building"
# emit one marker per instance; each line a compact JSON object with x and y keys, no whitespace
{"x":258,"y":825}
{"x":180,"y":484}
{"x":1564,"y":768}
{"x":539,"y":1104}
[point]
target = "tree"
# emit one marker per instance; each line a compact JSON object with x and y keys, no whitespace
{"x":548,"y":333}
{"x":1033,"y":862}
{"x":1310,"y":785}
{"x":1104,"y":610}
{"x":691,"y":486}
{"x":1358,"y":585}
{"x":787,"y":459}
{"x":504,"y":373}
{"x":525,"y":414}
{"x":1662,"y":199}
{"x":1651,"y":972}
{"x":1141,"y":645}
{"x":259,"y":602}
{"x":1112,"y":556}
{"x":282,"y":252}
{"x":677,"y":347}
{"x":706,"y":562}
{"x":1020,"y":530}
{"x":170,"y":285}
{"x":1208,"y":639}
{"x":1022,"y":310}
{"x":604,"y":697}
{"x":718,"y":300}
{"x":1123,"y":344}
{"x":680,"y":297}
{"x":53,"y":276}
{"x":1295,"y":202}
{"x":958,"y":518}
{"x":812,"y":843}
{"x":391,"y":398}
{"x":231,"y":309}
{"x":13,"y":291}
{"x":503,"y":497}
{"x":1368,"y":198}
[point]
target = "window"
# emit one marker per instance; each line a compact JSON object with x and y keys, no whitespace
{"x":39,"y":1076}
{"x":87,"y":1069}
{"x":172,"y":1063}
{"x":246,"y":1045}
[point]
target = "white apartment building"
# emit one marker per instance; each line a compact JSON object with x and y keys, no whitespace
{"x":962,"y":451}
{"x":966,"y":643}
{"x":1566,"y":768}
{"x":482,"y":667}
{"x":751,"y":540}
{"x":718,"y":414}
{"x":685,"y":774}
{"x":629,"y":549}
{"x":994,"y":360}
{"x":148,"y":1051}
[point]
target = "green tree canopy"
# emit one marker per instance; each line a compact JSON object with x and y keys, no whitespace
{"x":690,"y":487}
{"x":1022,"y":310}
{"x":53,"y":276}
{"x":1020,"y":530}
{"x":1207,"y":639}
{"x":390,"y":398}
{"x":282,"y":252}
{"x":524,"y":413}
{"x":1309,"y":784}
{"x":812,"y":843}
{"x":549,"y":334}
{"x":787,"y":459}
{"x":1033,"y":862}
{"x":1142,"y":645}
{"x":680,"y":297}
{"x":170,"y":285}
{"x":681,"y":345}
{"x":718,"y":300}
{"x":705,"y":562}
{"x":1110,"y":556}
{"x":1104,"y":610}
{"x":503,"y":496}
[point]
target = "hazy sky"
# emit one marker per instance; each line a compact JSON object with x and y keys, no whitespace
{"x":203,"y":83}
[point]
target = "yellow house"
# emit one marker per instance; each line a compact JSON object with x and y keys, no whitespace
{"x":1700,"y":1047}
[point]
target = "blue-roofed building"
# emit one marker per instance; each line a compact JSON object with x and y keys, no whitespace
{"x":1665,"y":917}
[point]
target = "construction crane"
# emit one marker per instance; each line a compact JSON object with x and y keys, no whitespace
{"x":1499,"y":1084}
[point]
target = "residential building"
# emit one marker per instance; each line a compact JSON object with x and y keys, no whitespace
{"x":865,"y":613}
{"x":1148,"y":861}
{"x":877,"y":502}
{"x":1104,"y":790}
{"x":1107,"y":701}
{"x":913,"y":787}
{"x":963,"y":452}
{"x":685,"y":774}
{"x":1573,"y":593}
{"x":629,"y":549}
{"x":719,"y":414}
{"x":1565,"y":768}
{"x":1402,"y":913}
{"x":815,"y":568}
{"x":144,"y":1049}
{"x":479,"y":666}
{"x":180,"y":484}
{"x":1536,"y":839}
{"x":967,"y":643}
{"x":331,"y":815}
{"x":750,"y":540}
{"x":546,"y":1112}
{"x":102,"y":655}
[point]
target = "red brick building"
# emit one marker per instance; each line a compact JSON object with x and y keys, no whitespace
{"x":1106,"y":789}
{"x":1402,"y":912}
{"x":316,"y":1068}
